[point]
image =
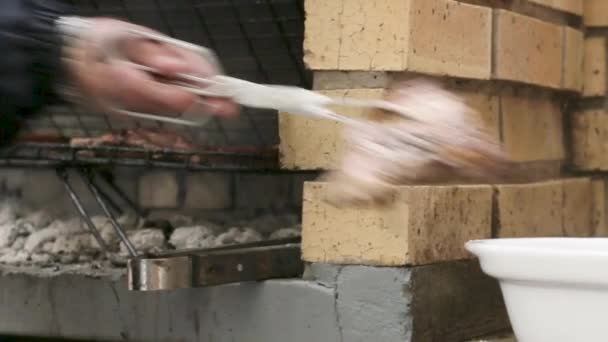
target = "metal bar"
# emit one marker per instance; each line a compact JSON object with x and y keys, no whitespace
{"x":87,"y":179}
{"x":214,"y":267}
{"x":113,"y":205}
{"x":63,"y":176}
{"x":265,"y":243}
{"x":108,"y":179}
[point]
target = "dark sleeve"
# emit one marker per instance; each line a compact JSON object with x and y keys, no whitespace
{"x":30,"y":66}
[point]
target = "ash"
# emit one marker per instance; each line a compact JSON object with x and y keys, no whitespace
{"x":35,"y":240}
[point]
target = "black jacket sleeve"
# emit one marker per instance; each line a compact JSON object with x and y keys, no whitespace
{"x":30,"y":66}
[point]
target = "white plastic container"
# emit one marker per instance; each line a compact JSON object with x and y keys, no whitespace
{"x":555,"y":289}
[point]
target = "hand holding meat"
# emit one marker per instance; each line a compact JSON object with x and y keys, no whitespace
{"x":100,"y":83}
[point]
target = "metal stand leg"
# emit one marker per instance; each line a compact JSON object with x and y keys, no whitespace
{"x":89,"y":180}
{"x":64,"y":176}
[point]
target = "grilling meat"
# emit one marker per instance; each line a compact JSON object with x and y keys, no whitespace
{"x":141,"y":138}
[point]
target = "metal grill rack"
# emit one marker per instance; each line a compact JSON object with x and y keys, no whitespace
{"x":257,"y":40}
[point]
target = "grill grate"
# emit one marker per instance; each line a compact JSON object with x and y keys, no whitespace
{"x":257,"y":40}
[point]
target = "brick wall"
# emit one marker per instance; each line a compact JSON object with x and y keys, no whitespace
{"x":523,"y":64}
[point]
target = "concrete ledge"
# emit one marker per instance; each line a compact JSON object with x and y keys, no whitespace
{"x":449,"y":302}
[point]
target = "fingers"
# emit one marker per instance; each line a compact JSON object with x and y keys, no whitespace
{"x":137,"y":91}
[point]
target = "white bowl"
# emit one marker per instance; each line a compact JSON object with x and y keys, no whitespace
{"x":555,"y":289}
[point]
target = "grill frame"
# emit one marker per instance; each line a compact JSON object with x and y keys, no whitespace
{"x":257,"y":40}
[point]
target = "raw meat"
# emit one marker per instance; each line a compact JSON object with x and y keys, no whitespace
{"x":142,"y":138}
{"x":447,"y":139}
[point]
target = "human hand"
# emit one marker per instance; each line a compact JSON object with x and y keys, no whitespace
{"x":120,"y":84}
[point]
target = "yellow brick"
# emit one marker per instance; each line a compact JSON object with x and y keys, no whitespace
{"x":423,"y":224}
{"x":595,"y":13}
{"x":571,"y":6}
{"x":529,"y":210}
{"x":594,"y":67}
{"x":310,"y":144}
{"x":527,"y":50}
{"x":599,"y":223}
{"x":578,"y":206}
{"x":572,"y":78}
{"x":532,"y":127}
{"x":450,"y":38}
{"x":373,"y":35}
{"x":589,"y":139}
{"x":322,"y":32}
{"x":443,"y":37}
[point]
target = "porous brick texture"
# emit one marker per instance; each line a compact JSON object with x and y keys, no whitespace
{"x":574,"y":48}
{"x":527,"y":49}
{"x":422,"y":224}
{"x":594,"y":67}
{"x":595,"y":13}
{"x":426,"y":224}
{"x":442,"y":37}
{"x":570,"y":6}
{"x":589,"y":136}
{"x":310,"y":144}
{"x":532,"y":127}
{"x":550,"y":208}
{"x":530,"y":122}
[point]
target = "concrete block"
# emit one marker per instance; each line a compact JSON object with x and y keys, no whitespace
{"x":594,"y":67}
{"x":443,"y":37}
{"x":574,"y":47}
{"x":589,"y":134}
{"x":423,"y":224}
{"x":578,"y":207}
{"x":451,"y":301}
{"x":362,"y":307}
{"x":529,"y":210}
{"x":532,"y":127}
{"x":595,"y":13}
{"x":262,"y":191}
{"x":208,"y":190}
{"x":312,"y":144}
{"x":60,"y":307}
{"x":570,"y":6}
{"x":527,"y":50}
{"x":158,"y":189}
{"x":600,"y":208}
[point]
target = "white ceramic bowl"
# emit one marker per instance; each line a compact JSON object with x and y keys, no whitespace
{"x":555,"y":289}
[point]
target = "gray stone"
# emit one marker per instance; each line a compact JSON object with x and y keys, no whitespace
{"x":158,"y":189}
{"x":372,"y":304}
{"x":208,"y":190}
{"x":256,"y":191}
